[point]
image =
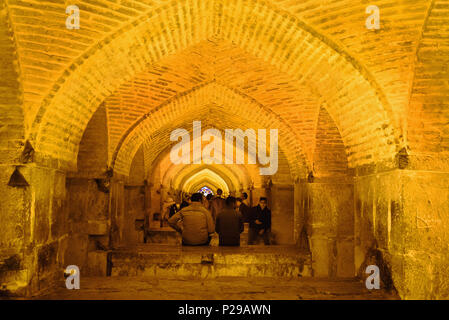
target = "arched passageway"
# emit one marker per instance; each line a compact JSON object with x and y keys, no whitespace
{"x":359,"y":177}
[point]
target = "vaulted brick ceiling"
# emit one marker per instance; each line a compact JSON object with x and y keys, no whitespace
{"x":291,"y":58}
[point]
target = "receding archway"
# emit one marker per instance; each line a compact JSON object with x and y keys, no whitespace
{"x":60,"y":139}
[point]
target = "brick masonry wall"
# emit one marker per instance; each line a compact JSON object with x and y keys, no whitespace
{"x":428,"y":116}
{"x":401,"y":226}
{"x":294,"y":64}
{"x":11,"y":113}
{"x":92,"y":159}
{"x":216,"y":19}
{"x":36,"y":231}
{"x":330,"y":154}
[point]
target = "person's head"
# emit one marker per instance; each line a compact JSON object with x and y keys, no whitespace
{"x":219,"y":192}
{"x":244,"y":196}
{"x":196,"y":197}
{"x":263,"y":202}
{"x":238,"y":202}
{"x":230,"y":202}
{"x":209,"y":196}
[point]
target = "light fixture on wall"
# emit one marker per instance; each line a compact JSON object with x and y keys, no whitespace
{"x":103,"y":185}
{"x":402,"y":158}
{"x":17,"y":180}
{"x":310,"y":177}
{"x":27,"y":155}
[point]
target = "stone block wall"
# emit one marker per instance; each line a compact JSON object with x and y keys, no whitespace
{"x":330,"y":228}
{"x":88,"y":213}
{"x":401,"y":224}
{"x":35,"y":235}
{"x":282,"y":216}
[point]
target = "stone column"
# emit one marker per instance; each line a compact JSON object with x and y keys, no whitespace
{"x":282,"y":209}
{"x":402,"y":223}
{"x":34,"y":227}
{"x":331,"y":227}
{"x":117,"y":212}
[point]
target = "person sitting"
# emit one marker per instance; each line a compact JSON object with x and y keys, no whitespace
{"x":208,"y":202}
{"x":217,"y":203}
{"x":185,"y":201}
{"x":229,"y":224}
{"x":245,"y":209}
{"x":196,"y":223}
{"x":167,"y":208}
{"x":260,"y":223}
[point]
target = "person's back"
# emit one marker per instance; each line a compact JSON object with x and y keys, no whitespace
{"x":197,"y":223}
{"x":208,"y":202}
{"x":229,"y":224}
{"x":245,"y":211}
{"x":172,"y":210}
{"x":217,"y":204}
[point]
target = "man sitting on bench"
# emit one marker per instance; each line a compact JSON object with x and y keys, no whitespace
{"x":196,"y":223}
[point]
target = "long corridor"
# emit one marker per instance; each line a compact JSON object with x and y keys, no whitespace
{"x":325,"y":125}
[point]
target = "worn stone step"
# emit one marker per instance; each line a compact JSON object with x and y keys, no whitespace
{"x":254,"y":261}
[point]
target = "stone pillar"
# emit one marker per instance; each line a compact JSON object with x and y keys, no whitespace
{"x":155,"y":205}
{"x":117,"y":212}
{"x":402,"y":223}
{"x":301,"y":207}
{"x":134,"y":215}
{"x":87,"y":203}
{"x":331,"y":227}
{"x":282,"y":211}
{"x":34,"y":227}
{"x":147,"y":206}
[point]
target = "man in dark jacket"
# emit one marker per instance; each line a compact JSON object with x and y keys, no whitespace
{"x":260,"y":223}
{"x":197,"y":226}
{"x":229,"y":224}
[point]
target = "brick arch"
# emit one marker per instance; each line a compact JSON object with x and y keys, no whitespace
{"x":248,"y":174}
{"x":244,"y":174}
{"x":185,"y":107}
{"x":227,"y":174}
{"x":11,"y":92}
{"x":206,"y":175}
{"x":293,"y":102}
{"x":428,"y":113}
{"x":329,"y":157}
{"x":160,"y":140}
{"x":263,"y":30}
{"x":204,"y":184}
{"x":236,"y":173}
{"x":241,"y":174}
{"x":154,"y":157}
{"x":186,"y":172}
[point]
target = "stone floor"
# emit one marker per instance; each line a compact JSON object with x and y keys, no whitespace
{"x":173,"y":272}
{"x":227,"y":288}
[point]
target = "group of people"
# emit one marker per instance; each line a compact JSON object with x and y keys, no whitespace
{"x":199,"y":217}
